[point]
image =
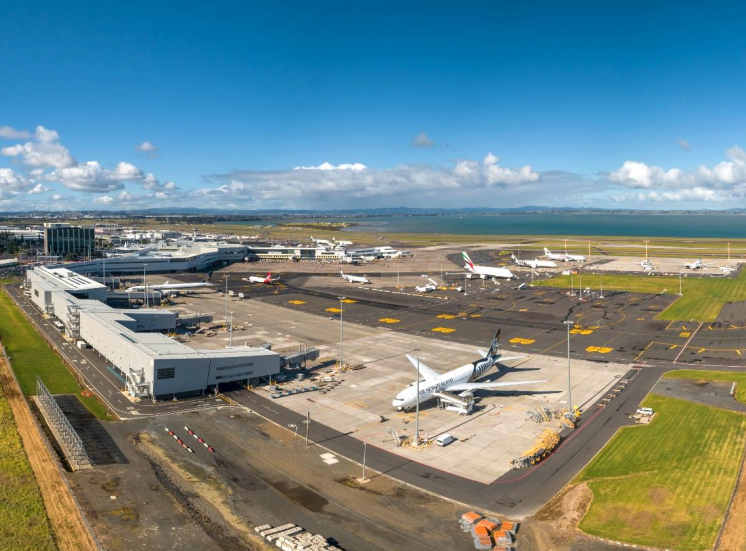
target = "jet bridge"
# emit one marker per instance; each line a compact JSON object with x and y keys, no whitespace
{"x":463,"y":403}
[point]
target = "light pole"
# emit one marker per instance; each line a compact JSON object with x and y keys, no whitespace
{"x":294,"y":426}
{"x":365,"y":449}
{"x":646,"y":249}
{"x":572,"y":284}
{"x":230,"y":337}
{"x":680,"y":293}
{"x":308,"y":424}
{"x":602,"y":284}
{"x":226,"y":300}
{"x":341,"y":330}
{"x":568,"y":323}
{"x":580,"y":285}
{"x":417,"y":410}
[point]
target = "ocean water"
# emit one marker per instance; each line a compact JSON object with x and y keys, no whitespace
{"x":635,"y":225}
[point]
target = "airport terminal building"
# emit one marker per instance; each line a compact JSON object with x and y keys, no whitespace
{"x":151,"y":364}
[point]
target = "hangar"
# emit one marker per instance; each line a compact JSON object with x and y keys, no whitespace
{"x":150,"y":364}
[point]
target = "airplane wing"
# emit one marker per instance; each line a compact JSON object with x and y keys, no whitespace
{"x":488,"y":386}
{"x":426,"y":372}
{"x":482,"y":353}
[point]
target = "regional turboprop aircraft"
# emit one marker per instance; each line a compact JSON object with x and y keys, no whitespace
{"x":354,"y":279}
{"x":174,"y":286}
{"x":460,"y":379}
{"x":485,"y":271}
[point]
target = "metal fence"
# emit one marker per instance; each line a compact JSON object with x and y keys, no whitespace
{"x":59,"y":422}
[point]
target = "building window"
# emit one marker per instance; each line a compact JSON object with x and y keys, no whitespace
{"x":36,"y":292}
{"x":234,"y":366}
{"x":166,"y":373}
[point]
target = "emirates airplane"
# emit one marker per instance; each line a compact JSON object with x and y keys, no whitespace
{"x":485,"y":271}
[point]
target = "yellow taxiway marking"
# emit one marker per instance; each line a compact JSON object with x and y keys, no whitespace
{"x":389,"y":320}
{"x":640,"y":319}
{"x":685,"y":334}
{"x":738,"y":351}
{"x":673,"y":346}
{"x":475,"y":315}
{"x":443,"y":329}
{"x":446,"y":316}
{"x":333,"y":310}
{"x":519,"y":340}
{"x":523,"y":310}
{"x":701,"y":350}
{"x":296,"y":302}
{"x":348,"y":301}
{"x":599,"y":349}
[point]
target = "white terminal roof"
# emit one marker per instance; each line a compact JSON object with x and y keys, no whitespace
{"x":67,"y":280}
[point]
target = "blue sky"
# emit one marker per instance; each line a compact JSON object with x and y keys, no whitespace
{"x":634,"y":104}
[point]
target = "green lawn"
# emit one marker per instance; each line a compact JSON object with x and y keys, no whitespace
{"x":702,"y":299}
{"x":31,"y":356}
{"x":666,"y":484}
{"x":23,"y":519}
{"x":730,"y":376}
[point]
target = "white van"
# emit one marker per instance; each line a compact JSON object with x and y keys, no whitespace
{"x":444,"y":439}
{"x":645,"y":411}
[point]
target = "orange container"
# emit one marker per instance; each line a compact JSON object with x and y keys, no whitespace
{"x":491,"y":526}
{"x":471,"y":517}
{"x":481,"y":530}
{"x":508,"y":526}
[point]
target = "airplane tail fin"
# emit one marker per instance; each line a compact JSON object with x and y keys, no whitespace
{"x":468,"y":260}
{"x":495,"y":343}
{"x":546,"y":251}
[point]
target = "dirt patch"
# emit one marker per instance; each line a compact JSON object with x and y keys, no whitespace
{"x":642,"y":521}
{"x":658,"y":495}
{"x":70,"y":529}
{"x":301,"y":495}
{"x":204,"y":501}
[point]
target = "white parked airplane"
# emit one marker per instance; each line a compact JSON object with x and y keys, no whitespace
{"x":167,"y":286}
{"x":354,"y":279}
{"x":429,"y":288}
{"x":646,"y":265}
{"x":485,"y":271}
{"x":563,"y":257}
{"x":322,"y":242}
{"x":696,"y":265}
{"x":460,"y":379}
{"x":341,"y":243}
{"x":533,"y":264}
{"x":258,"y":279}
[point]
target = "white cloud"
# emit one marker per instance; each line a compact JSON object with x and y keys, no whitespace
{"x":422,"y":140}
{"x":56,"y":197}
{"x":351,"y":183}
{"x":357,"y":167}
{"x":44,"y":151}
{"x":146,"y":147}
{"x":103,"y":200}
{"x":9,"y":133}
{"x":37,"y":189}
{"x":683,"y":144}
{"x":723,"y":175}
{"x":92,"y":177}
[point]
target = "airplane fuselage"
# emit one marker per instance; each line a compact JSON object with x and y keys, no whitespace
{"x":486,"y":271}
{"x":170,"y":287}
{"x":407,"y":398}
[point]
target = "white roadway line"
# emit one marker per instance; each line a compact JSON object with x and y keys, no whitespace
{"x":687,"y":342}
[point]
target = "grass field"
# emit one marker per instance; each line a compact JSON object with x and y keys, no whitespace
{"x":23,"y":519}
{"x":730,"y":376}
{"x":666,"y":484}
{"x":30,"y":356}
{"x":702,"y":300}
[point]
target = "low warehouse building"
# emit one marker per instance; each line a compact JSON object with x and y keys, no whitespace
{"x":152,"y":364}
